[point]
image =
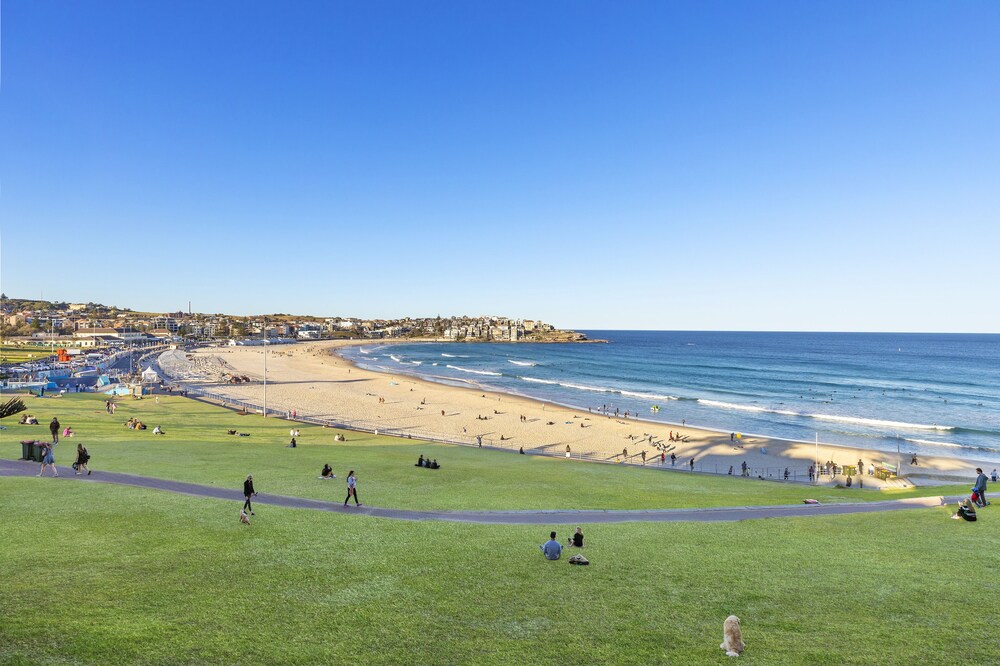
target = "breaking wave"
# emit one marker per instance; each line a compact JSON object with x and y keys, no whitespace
{"x":475,"y":372}
{"x":600,"y":389}
{"x":933,"y":443}
{"x":856,"y":420}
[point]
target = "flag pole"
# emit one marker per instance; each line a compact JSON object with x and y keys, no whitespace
{"x":816,"y":468}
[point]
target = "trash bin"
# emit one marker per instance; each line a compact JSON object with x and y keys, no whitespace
{"x":26,"y":446}
{"x":37,"y":452}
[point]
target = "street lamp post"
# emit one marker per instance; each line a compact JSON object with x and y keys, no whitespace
{"x":264,"y":338}
{"x":816,"y":467}
{"x":898,"y":470}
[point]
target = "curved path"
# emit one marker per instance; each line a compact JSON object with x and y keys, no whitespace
{"x":720,"y":514}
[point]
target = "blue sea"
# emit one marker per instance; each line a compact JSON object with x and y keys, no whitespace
{"x":933,"y":394}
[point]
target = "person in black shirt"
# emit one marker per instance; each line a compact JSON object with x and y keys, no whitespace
{"x":576,"y":540}
{"x":248,"y":491}
{"x":966,"y":511}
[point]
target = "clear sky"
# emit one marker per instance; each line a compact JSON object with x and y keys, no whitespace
{"x":662,"y":165}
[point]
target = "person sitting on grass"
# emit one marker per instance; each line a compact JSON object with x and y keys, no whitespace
{"x":327,"y":472}
{"x":420,"y":461}
{"x":965,"y":511}
{"x":434,"y":464}
{"x":576,"y":541}
{"x":291,"y":444}
{"x":552,"y":549}
{"x":158,"y":431}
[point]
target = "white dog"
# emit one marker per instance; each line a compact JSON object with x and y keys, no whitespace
{"x":244,"y":518}
{"x":732,"y":637}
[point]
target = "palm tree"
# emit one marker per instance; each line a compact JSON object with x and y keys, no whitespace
{"x":11,"y":407}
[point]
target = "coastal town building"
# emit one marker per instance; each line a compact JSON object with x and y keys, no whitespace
{"x":165,"y":322}
{"x":97,"y":325}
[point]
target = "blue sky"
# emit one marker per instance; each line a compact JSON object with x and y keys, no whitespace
{"x":661,"y":165}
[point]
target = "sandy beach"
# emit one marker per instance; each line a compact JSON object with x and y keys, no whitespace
{"x":308,"y":380}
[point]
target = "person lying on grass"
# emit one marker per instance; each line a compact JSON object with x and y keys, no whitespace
{"x":965,"y":511}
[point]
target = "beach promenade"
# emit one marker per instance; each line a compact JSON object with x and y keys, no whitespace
{"x":548,"y":517}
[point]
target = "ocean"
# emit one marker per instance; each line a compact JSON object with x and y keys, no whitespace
{"x":931,"y":394}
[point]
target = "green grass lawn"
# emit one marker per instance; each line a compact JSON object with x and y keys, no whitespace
{"x":102,"y":574}
{"x":196,"y":448}
{"x":14,"y":354}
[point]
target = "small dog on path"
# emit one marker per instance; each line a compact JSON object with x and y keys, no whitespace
{"x":244,"y":518}
{"x":732,"y":637}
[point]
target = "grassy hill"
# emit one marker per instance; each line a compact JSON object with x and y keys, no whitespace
{"x":101,"y":574}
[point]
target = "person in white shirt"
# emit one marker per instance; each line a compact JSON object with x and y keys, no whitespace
{"x":352,"y":488}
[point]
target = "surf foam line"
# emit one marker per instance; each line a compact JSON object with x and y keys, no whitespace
{"x":526,"y":364}
{"x":475,"y":372}
{"x":933,"y":443}
{"x":600,"y":389}
{"x":855,"y":420}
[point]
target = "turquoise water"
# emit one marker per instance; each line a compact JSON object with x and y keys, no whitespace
{"x":935,"y":394}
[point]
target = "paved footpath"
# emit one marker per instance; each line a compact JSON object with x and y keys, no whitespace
{"x":716,"y":514}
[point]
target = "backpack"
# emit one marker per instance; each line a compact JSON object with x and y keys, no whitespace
{"x":578,"y":559}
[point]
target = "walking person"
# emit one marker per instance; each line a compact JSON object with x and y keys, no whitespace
{"x":352,"y":488}
{"x":248,"y":492}
{"x":980,"y":488}
{"x":48,"y":459}
{"x":82,"y":458}
{"x":54,"y":429}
